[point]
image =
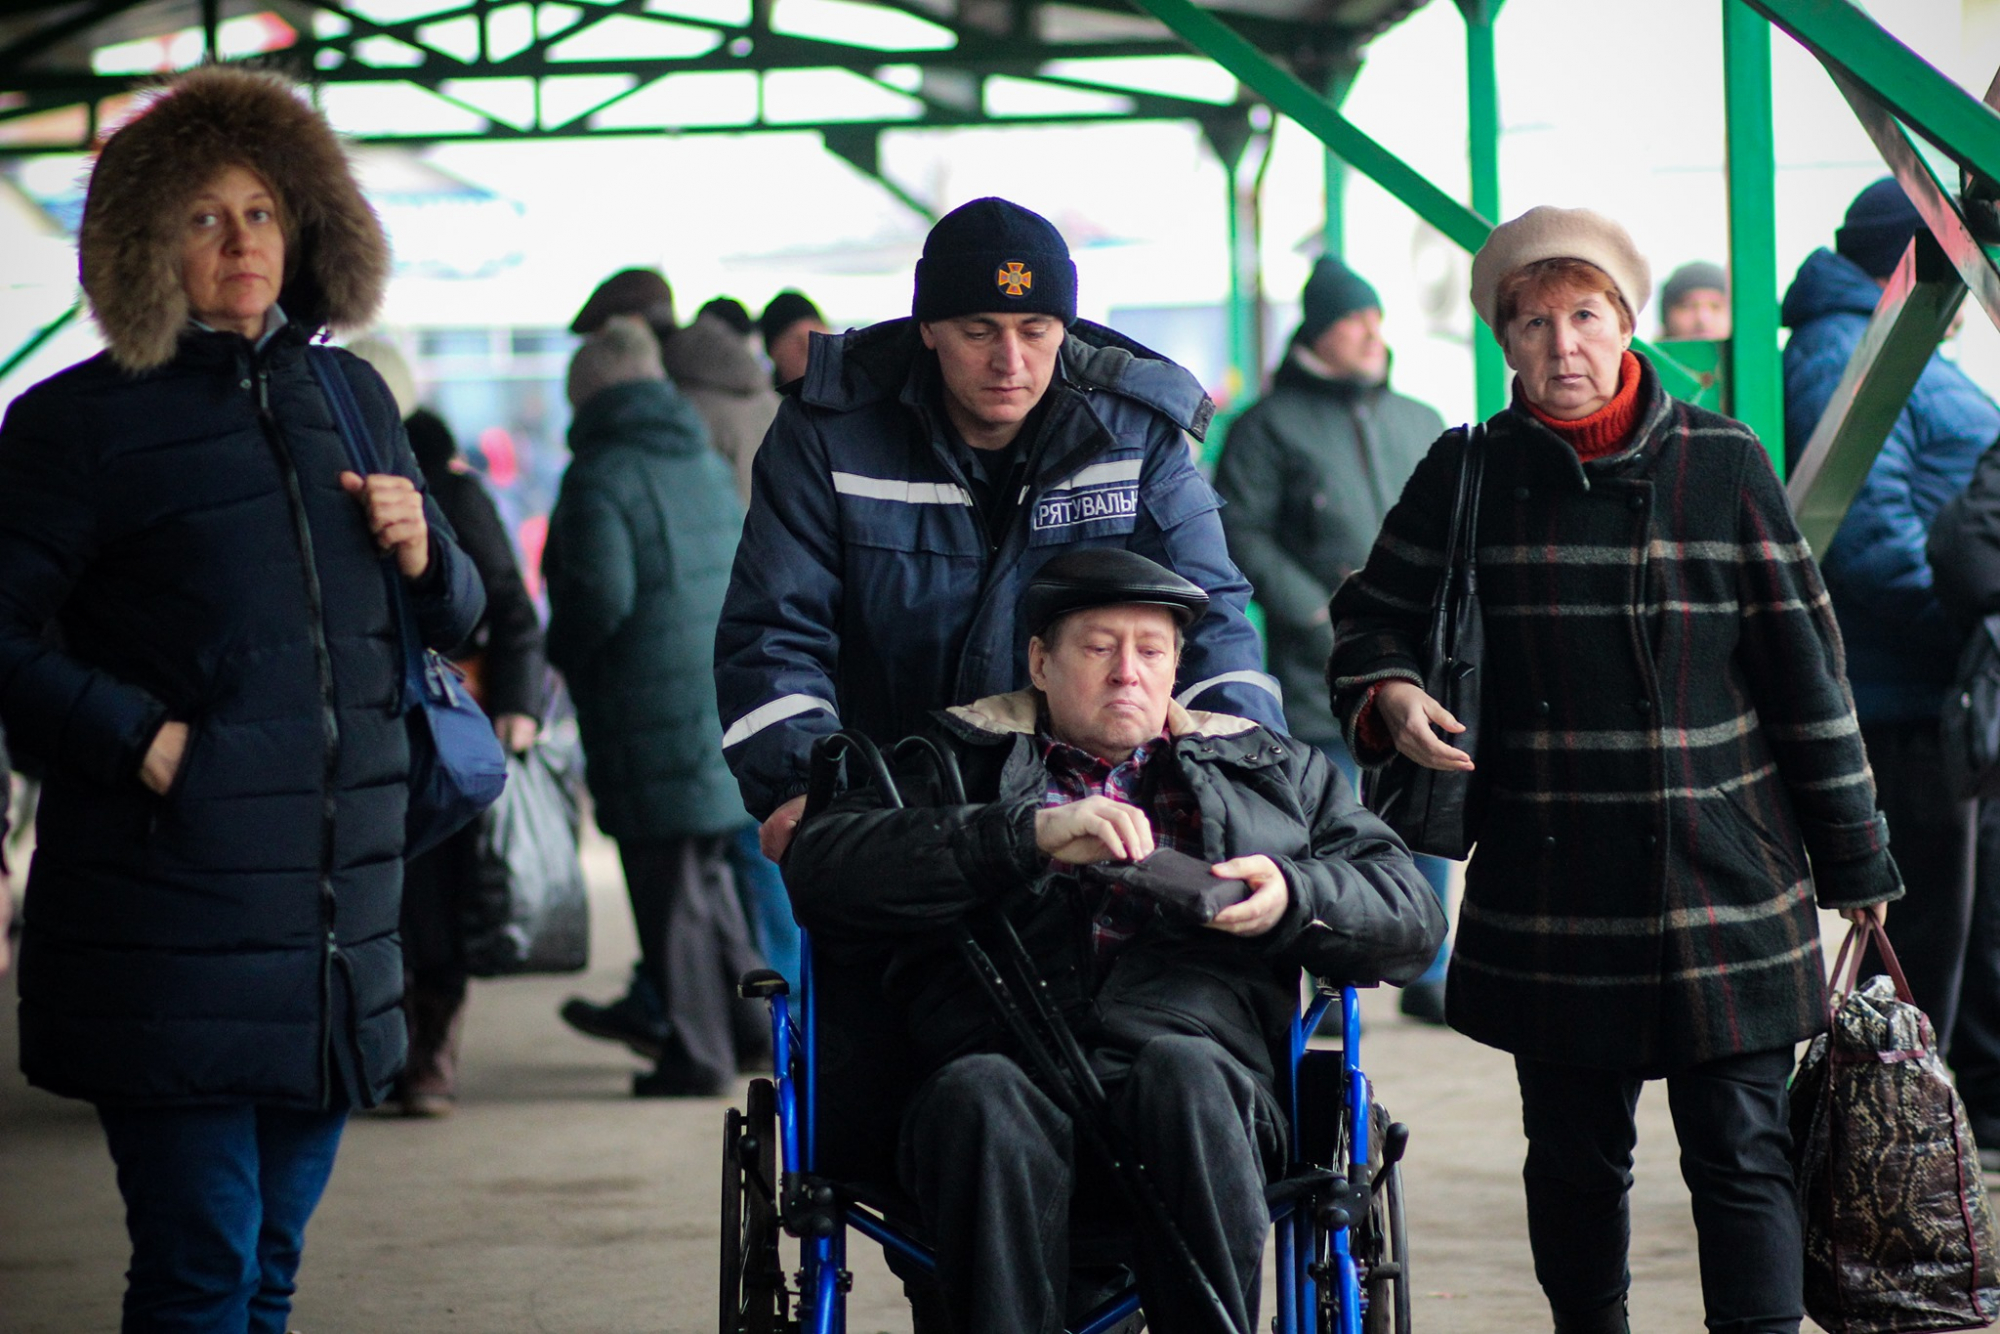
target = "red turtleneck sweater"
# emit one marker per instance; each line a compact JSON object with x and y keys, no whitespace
{"x":1607,"y":429}
{"x":1603,"y":432}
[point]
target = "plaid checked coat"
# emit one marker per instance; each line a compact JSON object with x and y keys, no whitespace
{"x":1672,"y":765}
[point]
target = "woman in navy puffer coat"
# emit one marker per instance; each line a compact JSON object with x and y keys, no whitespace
{"x":210,"y":950}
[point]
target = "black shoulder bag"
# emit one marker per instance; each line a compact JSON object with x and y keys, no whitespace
{"x":1432,"y":809}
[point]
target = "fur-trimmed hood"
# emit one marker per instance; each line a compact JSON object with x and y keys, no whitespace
{"x":128,"y":251}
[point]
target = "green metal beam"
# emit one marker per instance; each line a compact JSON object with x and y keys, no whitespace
{"x":1845,"y":39}
{"x":1333,"y":231}
{"x":1482,"y":87}
{"x":861,"y":149}
{"x":1287,"y":95}
{"x":1756,"y":376}
{"x":1915,"y":311}
{"x":1940,"y":210}
{"x":38,"y":338}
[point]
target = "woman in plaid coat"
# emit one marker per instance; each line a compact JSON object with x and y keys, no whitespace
{"x":1670,"y":775}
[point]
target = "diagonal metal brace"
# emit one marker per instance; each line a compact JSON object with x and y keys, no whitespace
{"x":1915,"y":311}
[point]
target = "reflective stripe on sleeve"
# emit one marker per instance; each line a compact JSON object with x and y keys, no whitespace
{"x":761,"y":717}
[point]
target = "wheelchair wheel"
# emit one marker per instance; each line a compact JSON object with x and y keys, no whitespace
{"x":755,"y":1299}
{"x":1382,"y":1244}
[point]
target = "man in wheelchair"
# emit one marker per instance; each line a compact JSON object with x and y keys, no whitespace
{"x":1079,"y":794}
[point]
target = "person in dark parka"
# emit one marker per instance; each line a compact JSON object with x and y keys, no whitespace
{"x":505,"y":673}
{"x":1306,"y":476}
{"x":1670,"y":780}
{"x":210,"y":953}
{"x":638,"y":556}
{"x":1900,"y":644}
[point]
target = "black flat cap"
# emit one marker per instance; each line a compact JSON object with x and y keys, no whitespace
{"x":1107,"y":577}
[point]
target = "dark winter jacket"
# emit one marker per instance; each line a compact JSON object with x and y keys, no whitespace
{"x":867,"y":592}
{"x":173,"y":508}
{"x":508,"y":639}
{"x":712,"y":366}
{"x":1900,"y":645}
{"x":1306,"y":476}
{"x":196,"y":549}
{"x":885,"y":892}
{"x":637,"y":560}
{"x":1671,"y":766}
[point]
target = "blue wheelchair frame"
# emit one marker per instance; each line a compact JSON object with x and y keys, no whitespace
{"x":1321,"y":1213}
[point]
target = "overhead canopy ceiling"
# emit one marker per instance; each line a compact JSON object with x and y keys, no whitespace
{"x":425,"y":71}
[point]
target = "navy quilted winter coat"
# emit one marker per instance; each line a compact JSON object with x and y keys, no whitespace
{"x":184,"y":534}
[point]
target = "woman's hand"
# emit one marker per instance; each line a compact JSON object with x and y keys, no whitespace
{"x":1269,"y":896}
{"x":163,"y":757}
{"x":395,"y":511}
{"x":1408,"y":715}
{"x":1878,"y":911}
{"x":516,"y":731}
{"x":1096,"y":829}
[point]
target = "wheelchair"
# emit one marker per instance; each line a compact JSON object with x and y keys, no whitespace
{"x":1341,"y":1257}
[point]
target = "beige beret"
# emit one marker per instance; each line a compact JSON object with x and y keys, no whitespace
{"x":1559,"y":233}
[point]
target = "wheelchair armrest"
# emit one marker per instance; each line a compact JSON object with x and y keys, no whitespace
{"x":759,"y":983}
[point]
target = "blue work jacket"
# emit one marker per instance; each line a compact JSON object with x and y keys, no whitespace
{"x":867,"y":591}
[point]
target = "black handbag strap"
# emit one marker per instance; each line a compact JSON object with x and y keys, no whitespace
{"x":1462,"y":538}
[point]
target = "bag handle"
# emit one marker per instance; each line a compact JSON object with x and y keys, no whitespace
{"x":1461,"y":536}
{"x":1847,"y":963}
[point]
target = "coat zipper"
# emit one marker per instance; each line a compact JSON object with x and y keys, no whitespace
{"x":329,"y":719}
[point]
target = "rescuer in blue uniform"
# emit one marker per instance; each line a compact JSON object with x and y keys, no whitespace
{"x":919,"y":475}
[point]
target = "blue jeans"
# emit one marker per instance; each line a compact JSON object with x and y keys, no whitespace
{"x":765,"y":902}
{"x":216,"y":1203}
{"x":1436,"y":869}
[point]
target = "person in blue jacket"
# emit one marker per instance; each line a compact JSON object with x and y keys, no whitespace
{"x":1901,"y":646}
{"x":210,"y":952}
{"x":919,"y":475}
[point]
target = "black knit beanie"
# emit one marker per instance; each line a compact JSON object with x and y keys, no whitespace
{"x":1881,"y":222}
{"x":786,"y":309}
{"x":994,"y":257}
{"x":1333,"y":292}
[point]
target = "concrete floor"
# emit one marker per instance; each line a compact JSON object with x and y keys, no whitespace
{"x":555,"y":1203}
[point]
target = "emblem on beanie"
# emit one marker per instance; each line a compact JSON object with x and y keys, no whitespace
{"x":1014,"y":278}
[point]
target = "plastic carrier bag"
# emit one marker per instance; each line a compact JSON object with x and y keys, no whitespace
{"x":527,"y":910}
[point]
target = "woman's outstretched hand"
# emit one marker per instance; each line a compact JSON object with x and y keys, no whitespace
{"x":1408,"y":714}
{"x":395,"y":513}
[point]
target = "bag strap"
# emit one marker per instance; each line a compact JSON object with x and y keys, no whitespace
{"x":1463,"y":532}
{"x":1889,"y":960}
{"x":354,"y":433}
{"x":1847,"y":963}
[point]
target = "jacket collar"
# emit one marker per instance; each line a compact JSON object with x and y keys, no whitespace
{"x":1018,"y":713}
{"x":1302,"y":370}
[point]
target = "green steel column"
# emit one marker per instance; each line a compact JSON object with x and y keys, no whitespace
{"x":1756,"y":372}
{"x":1333,"y":233}
{"x":1482,"y":89}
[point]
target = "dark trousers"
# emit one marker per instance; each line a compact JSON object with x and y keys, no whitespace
{"x":992,"y":1162}
{"x":216,"y":1203}
{"x":1933,"y":838}
{"x":1731,"y":1118}
{"x":1974,"y":1053}
{"x":694,"y":945}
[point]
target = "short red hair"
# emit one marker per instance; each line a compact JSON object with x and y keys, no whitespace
{"x":1560,"y":277}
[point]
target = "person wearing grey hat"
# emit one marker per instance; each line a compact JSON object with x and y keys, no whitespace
{"x":1901,"y":644}
{"x":1090,"y":768}
{"x":921,"y":472}
{"x":1694,"y":302}
{"x":1307,"y":474}
{"x":1669,"y":779}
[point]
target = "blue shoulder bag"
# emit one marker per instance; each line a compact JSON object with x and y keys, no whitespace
{"x":457,"y":768}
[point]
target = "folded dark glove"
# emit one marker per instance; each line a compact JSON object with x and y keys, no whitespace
{"x":1183,"y":886}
